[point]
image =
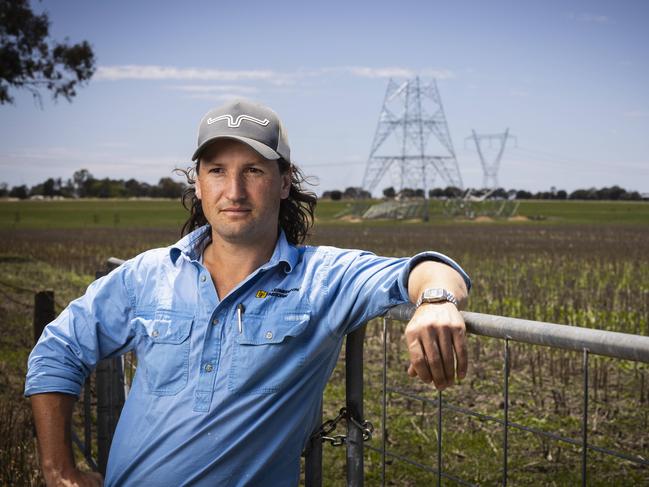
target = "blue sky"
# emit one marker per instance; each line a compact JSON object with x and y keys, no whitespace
{"x":568,"y":78}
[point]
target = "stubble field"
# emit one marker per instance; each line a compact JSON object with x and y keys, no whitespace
{"x":583,"y":265}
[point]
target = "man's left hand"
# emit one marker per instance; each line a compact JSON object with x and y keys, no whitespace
{"x":436,"y":339}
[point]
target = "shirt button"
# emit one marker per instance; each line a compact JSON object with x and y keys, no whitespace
{"x":155,"y":333}
{"x":215,"y":321}
{"x":269,"y":335}
{"x":203,"y":278}
{"x":208,"y":368}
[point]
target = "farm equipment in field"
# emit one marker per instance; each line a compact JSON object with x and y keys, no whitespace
{"x":472,"y":206}
{"x":396,"y":210}
{"x":390,"y":210}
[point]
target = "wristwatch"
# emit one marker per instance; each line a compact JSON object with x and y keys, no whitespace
{"x":436,"y":295}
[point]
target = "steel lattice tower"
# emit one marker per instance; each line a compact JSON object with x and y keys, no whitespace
{"x":411,"y":112}
{"x":490,"y":169}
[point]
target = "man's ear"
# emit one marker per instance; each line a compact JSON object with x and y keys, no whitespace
{"x":286,"y":184}
{"x":197,"y":187}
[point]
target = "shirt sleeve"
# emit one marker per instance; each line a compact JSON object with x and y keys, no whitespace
{"x":92,"y":327}
{"x":361,"y":285}
{"x":430,"y":255}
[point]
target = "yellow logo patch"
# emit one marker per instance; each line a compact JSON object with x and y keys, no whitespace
{"x":261,"y":294}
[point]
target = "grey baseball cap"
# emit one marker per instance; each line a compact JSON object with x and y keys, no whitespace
{"x":249,"y":122}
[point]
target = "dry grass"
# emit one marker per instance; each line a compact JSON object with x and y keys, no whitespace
{"x":584,"y":275}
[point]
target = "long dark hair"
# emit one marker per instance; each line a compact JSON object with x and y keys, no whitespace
{"x":296,"y":212}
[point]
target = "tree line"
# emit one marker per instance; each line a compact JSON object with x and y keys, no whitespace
{"x":82,"y":184}
{"x":606,"y":193}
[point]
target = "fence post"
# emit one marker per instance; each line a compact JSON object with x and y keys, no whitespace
{"x":109,"y":379}
{"x":313,"y":459}
{"x":110,"y":399}
{"x":43,"y":314}
{"x":43,"y":311}
{"x":354,"y":394}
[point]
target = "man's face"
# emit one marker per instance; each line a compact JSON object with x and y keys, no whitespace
{"x":240,"y":192}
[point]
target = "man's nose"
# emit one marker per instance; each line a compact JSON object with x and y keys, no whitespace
{"x":235,"y":187}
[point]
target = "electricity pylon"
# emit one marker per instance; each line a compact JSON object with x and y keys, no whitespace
{"x":411,"y":113}
{"x":490,"y":169}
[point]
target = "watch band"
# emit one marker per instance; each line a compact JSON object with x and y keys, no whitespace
{"x":436,"y":295}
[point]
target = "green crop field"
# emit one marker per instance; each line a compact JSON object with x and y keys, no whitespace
{"x":588,"y":211}
{"x":577,"y":263}
{"x":170,"y":214}
{"x":91,"y":214}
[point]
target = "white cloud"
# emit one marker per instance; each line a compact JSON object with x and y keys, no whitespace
{"x":397,"y":72}
{"x":85,"y":158}
{"x":217,"y":96}
{"x":215,"y":92}
{"x":636,"y":114}
{"x":589,"y":18}
{"x":202,"y":89}
{"x":153,"y":72}
{"x":390,"y":72}
{"x":380,"y":72}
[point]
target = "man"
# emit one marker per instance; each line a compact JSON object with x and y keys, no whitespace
{"x":236,"y":327}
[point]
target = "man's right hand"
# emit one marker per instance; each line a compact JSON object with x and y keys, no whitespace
{"x":74,"y":478}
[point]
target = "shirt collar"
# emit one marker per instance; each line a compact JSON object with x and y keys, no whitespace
{"x":284,"y":252}
{"x":193,"y":243}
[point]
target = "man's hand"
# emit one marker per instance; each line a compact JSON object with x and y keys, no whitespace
{"x":74,"y":478}
{"x":436,"y":339}
{"x":436,"y":335}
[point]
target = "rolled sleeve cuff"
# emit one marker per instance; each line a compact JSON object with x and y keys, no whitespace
{"x":49,"y":378}
{"x":430,"y":255}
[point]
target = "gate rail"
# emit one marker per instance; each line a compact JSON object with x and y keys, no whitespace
{"x":585,"y":340}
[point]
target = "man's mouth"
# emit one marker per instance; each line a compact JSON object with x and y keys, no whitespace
{"x":235,"y":210}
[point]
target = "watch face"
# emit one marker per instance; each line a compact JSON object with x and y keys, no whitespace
{"x":434,"y":294}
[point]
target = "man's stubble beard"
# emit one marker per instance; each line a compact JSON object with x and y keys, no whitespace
{"x":249,"y":232}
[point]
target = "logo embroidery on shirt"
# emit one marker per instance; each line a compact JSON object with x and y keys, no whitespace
{"x":234,"y":123}
{"x":276,"y":292}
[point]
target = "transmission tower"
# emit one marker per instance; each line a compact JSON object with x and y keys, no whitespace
{"x":411,"y":112}
{"x":490,"y":169}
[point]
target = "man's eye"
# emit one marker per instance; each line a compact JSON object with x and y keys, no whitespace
{"x":216,"y":170}
{"x":254,"y":170}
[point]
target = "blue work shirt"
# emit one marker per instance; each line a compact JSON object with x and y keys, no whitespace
{"x":218,"y":400}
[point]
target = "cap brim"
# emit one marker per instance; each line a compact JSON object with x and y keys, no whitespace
{"x":263,"y":150}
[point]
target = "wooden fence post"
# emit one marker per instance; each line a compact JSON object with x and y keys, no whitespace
{"x":109,"y":378}
{"x":110,"y":400}
{"x":43,"y":312}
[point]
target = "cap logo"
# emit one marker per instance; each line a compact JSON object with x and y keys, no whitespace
{"x":234,"y":123}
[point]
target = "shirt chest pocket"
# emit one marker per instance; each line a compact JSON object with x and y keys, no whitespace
{"x":163,"y":351}
{"x":268,"y":353}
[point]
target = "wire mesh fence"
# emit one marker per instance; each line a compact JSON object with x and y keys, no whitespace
{"x":439,"y":425}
